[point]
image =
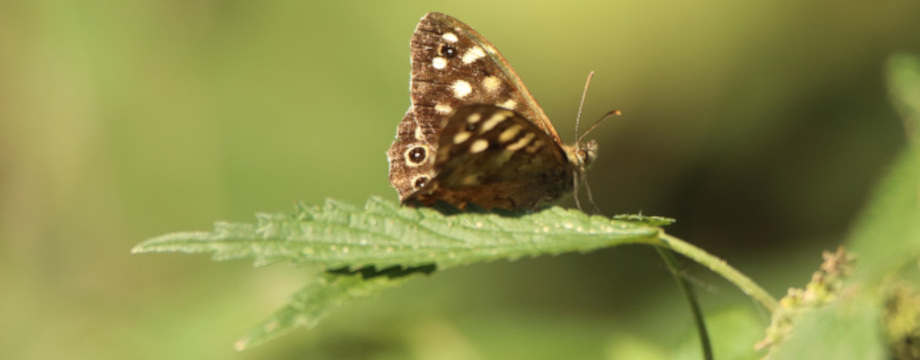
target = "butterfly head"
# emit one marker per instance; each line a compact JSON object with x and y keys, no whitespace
{"x":581,"y":155}
{"x":586,"y":153}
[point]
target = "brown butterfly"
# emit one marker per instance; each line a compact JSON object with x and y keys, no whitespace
{"x":474,"y":133}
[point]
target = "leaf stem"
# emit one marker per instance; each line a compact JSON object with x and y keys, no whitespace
{"x":720,"y":267}
{"x":671,"y":261}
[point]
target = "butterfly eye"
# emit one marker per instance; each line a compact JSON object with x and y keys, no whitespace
{"x":470,"y":126}
{"x":447,"y":51}
{"x":420,"y":181}
{"x":417,"y":155}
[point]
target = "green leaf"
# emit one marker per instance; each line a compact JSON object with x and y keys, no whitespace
{"x":904,"y":90}
{"x":366,"y":250}
{"x":886,"y":240}
{"x":848,"y":329}
{"x":887,"y":235}
{"x":311,"y":303}
{"x":383,"y":234}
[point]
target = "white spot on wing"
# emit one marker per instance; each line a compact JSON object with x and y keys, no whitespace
{"x":450,"y":37}
{"x":443,"y":109}
{"x":534,"y":147}
{"x":494,"y":120}
{"x":461,"y":88}
{"x":509,"y":104}
{"x":479,"y":146}
{"x":439,"y":63}
{"x":418,"y":133}
{"x":461,"y":137}
{"x":471,"y":179}
{"x":491,"y":83}
{"x":520,"y":144}
{"x":473,"y":54}
{"x":509,"y":134}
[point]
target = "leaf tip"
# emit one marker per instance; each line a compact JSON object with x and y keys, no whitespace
{"x":657,"y":221}
{"x":137,"y":249}
{"x":144,"y":247}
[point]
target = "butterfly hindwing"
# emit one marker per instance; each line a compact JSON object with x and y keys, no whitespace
{"x":495,"y":157}
{"x":411,"y":156}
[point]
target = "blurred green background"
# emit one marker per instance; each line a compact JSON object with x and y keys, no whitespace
{"x":760,"y":126}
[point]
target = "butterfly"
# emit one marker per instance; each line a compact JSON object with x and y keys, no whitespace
{"x":473,"y":133}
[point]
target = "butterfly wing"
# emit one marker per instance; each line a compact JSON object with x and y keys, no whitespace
{"x":495,"y":158}
{"x":473,"y":59}
{"x":453,"y":66}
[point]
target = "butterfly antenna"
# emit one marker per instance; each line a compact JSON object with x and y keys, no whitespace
{"x":578,"y":141}
{"x":596,"y":123}
{"x":582,"y":105}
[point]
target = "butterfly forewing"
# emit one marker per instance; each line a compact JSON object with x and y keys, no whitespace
{"x":453,"y":65}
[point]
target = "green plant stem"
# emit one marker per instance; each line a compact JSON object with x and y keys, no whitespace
{"x":671,"y":261}
{"x":720,"y":267}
